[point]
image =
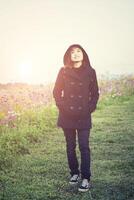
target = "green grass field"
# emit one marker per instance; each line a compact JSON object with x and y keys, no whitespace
{"x":34,"y":166}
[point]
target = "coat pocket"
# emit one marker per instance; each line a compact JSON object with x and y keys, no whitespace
{"x":92,"y":107}
{"x":60,"y":104}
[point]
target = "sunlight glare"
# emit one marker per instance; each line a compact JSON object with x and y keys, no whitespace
{"x":25,"y":71}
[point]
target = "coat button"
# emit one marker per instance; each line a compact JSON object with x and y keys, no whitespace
{"x":80,"y":96}
{"x":71,"y":107}
{"x":72,"y":83}
{"x":89,"y":98}
{"x":80,"y":83}
{"x":79,"y":107}
{"x":71,"y":95}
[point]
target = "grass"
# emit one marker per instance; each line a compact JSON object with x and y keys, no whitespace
{"x":41,"y":171}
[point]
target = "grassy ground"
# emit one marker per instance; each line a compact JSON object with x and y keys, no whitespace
{"x":42,"y":173}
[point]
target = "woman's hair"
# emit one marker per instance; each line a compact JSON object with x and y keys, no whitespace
{"x":67,"y":56}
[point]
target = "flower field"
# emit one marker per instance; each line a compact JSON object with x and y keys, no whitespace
{"x":16,"y":98}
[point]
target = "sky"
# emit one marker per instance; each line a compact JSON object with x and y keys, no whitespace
{"x":34,"y":35}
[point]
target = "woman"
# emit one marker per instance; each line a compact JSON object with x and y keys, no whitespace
{"x":76,"y":94}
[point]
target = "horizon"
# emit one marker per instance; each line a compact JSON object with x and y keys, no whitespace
{"x":103,"y":76}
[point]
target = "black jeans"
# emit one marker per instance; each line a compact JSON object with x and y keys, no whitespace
{"x":83,"y":140}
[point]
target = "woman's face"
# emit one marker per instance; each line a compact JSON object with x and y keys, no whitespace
{"x":76,"y":54}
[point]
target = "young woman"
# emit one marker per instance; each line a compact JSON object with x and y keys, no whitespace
{"x":76,"y":94}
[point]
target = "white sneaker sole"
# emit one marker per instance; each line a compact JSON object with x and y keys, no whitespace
{"x":83,"y":190}
{"x":73,"y":183}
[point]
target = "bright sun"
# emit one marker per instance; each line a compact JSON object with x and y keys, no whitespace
{"x":25,"y":71}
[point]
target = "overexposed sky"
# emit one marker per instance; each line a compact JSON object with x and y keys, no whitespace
{"x":34,"y":35}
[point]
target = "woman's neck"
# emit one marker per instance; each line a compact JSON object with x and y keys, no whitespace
{"x":77,"y":64}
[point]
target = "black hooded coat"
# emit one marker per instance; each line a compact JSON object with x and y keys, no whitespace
{"x":76,"y":94}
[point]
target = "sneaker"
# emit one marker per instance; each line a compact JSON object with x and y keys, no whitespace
{"x":74,"y":179}
{"x":85,"y":185}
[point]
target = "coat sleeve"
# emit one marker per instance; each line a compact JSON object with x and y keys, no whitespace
{"x":94,"y":93}
{"x":58,"y":88}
